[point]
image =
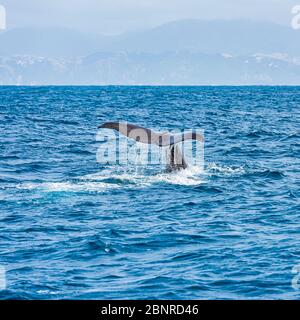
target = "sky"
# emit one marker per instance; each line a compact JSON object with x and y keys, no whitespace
{"x":118,"y":16}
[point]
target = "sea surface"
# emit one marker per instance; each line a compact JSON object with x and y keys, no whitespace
{"x":74,"y":228}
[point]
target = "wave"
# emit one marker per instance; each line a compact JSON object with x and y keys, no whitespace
{"x":140,"y":177}
{"x":67,"y":186}
{"x":218,"y":170}
{"x":112,"y":179}
{"x":215,"y":169}
{"x":188,"y":177}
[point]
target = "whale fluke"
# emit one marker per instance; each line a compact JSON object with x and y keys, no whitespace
{"x":144,"y":135}
{"x":161,"y":139}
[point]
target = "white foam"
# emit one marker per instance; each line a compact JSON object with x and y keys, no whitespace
{"x":189,"y":176}
{"x":44,"y":292}
{"x":68,"y":186}
{"x":139,"y":177}
{"x":213,"y":168}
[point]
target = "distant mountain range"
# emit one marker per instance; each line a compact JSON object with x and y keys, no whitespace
{"x":233,"y":37}
{"x":171,"y":68}
{"x":182,"y":52}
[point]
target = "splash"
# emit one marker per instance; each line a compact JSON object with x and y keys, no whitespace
{"x":142,"y":177}
{"x":113,"y":177}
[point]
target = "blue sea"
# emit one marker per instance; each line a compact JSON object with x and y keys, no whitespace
{"x":73,"y":228}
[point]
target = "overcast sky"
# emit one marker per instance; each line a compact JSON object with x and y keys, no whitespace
{"x":117,"y":16}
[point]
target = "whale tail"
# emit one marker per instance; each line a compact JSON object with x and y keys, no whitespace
{"x":164,"y":139}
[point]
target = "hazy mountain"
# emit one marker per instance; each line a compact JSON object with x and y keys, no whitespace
{"x":171,"y":68}
{"x":183,"y":52}
{"x":49,"y":42}
{"x":234,"y":37}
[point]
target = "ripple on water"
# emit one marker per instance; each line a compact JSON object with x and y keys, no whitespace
{"x":73,"y":228}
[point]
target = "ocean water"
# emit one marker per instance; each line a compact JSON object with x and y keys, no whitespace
{"x":72,"y":228}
